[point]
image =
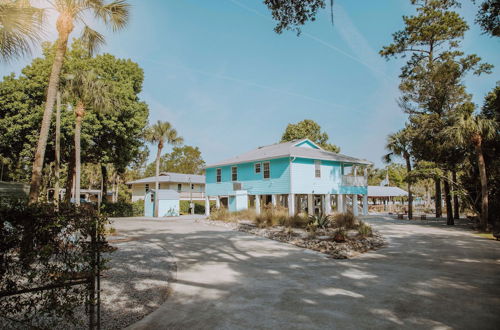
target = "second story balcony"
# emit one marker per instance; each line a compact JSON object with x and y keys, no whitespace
{"x":354,"y":181}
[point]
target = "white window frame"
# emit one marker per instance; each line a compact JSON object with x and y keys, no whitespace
{"x":317,"y":168}
{"x":255,"y":168}
{"x":179,"y":187}
{"x":234,"y":173}
{"x":218,"y":175}
{"x":268,"y":170}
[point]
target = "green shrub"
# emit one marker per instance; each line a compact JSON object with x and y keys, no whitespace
{"x":345,"y":220}
{"x":320,"y":220}
{"x":123,"y":209}
{"x":199,"y":207}
{"x":41,"y":246}
{"x":364,"y":230}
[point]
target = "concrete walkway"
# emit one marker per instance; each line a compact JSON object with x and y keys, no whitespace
{"x":428,"y":277}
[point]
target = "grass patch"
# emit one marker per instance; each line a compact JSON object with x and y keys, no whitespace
{"x":486,"y":235}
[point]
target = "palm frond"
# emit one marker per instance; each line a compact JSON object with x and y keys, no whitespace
{"x":92,"y":39}
{"x":115,"y":13}
{"x":21,"y":27}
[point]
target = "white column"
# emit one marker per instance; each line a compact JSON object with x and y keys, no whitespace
{"x":355,"y":204}
{"x":365,"y":204}
{"x":328,"y":204}
{"x":340,"y":203}
{"x":257,"y":204}
{"x":274,"y":199}
{"x":207,"y":206}
{"x":217,"y":202}
{"x":291,"y":205}
{"x":310,"y":206}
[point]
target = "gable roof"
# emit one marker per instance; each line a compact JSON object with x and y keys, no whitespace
{"x":385,"y":191}
{"x":289,"y":149}
{"x":172,"y":177}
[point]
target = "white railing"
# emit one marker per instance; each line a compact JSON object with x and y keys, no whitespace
{"x":356,"y":181}
{"x":194,"y":195}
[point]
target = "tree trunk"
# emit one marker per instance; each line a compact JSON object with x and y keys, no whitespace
{"x":157,"y":182}
{"x":79,"y":112}
{"x":410,"y":195}
{"x":447,"y":197}
{"x":456,"y":204}
{"x":58,"y":148}
{"x":64,"y":28}
{"x":484,"y":181}
{"x":69,"y":181}
{"x":104,"y":174}
{"x":438,"y":197}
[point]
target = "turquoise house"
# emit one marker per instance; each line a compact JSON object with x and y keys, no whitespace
{"x":168,"y":203}
{"x":298,"y":175}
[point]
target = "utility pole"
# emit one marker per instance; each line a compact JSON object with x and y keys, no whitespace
{"x":191,"y":196}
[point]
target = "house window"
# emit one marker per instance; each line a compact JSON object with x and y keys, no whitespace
{"x":192,"y":186}
{"x":179,"y":187}
{"x":257,"y":168}
{"x":267,"y":170}
{"x":317,"y":168}
{"x":219,"y":175}
{"x":146,"y":187}
{"x":234,"y":173}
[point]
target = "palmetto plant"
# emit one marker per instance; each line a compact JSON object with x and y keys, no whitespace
{"x":70,"y":12}
{"x":87,"y":90}
{"x":471,"y":129}
{"x":20,"y":28}
{"x":159,"y":134}
{"x":399,"y":144}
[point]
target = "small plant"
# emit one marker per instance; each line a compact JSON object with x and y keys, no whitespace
{"x":320,"y":220}
{"x":365,"y":230}
{"x":221,"y":214}
{"x":340,"y":235}
{"x":345,"y":220}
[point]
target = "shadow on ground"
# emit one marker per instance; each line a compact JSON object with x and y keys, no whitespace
{"x":427,"y":277}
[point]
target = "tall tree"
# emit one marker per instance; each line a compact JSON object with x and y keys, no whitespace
{"x":292,"y":14}
{"x":488,"y":17}
{"x":88,"y":90}
{"x":308,"y":129}
{"x":159,"y":133}
{"x":184,"y":159}
{"x":20,"y":28}
{"x":470,"y":129}
{"x":114,"y":14}
{"x":399,"y":144}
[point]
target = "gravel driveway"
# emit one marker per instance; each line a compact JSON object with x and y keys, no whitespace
{"x":427,"y":277}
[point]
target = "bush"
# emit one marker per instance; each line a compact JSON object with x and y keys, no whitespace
{"x":272,"y":216}
{"x":320,"y":220}
{"x":340,"y":235}
{"x":41,"y":247}
{"x":199,"y":207}
{"x":364,"y":230}
{"x":123,"y":209}
{"x":345,"y":220}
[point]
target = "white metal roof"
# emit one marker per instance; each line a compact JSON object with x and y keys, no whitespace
{"x":172,"y":177}
{"x":289,"y":149}
{"x":381,"y":191}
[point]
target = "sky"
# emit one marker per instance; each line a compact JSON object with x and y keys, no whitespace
{"x":228,"y":83}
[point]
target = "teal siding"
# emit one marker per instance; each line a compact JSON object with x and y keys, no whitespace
{"x":304,"y":180}
{"x":254,"y":183}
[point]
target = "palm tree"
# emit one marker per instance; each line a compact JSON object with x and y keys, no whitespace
{"x":470,"y":129}
{"x":20,"y":28}
{"x":88,"y":91}
{"x":114,"y":14}
{"x":399,"y":144}
{"x":160,"y":133}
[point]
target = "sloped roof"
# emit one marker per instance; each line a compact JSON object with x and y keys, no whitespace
{"x":289,"y":149}
{"x":172,"y":177}
{"x":381,"y":191}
